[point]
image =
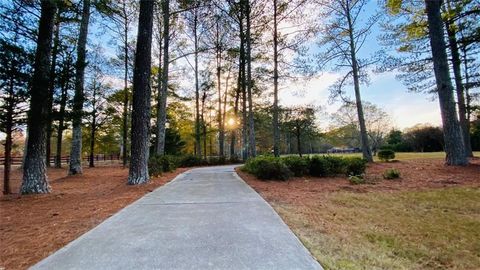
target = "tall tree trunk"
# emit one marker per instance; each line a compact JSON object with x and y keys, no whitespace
{"x":454,"y":146}
{"x":299,"y":141}
{"x":77,"y":113}
{"x":8,"y":138}
{"x":159,"y":91}
{"x":276,"y":131}
{"x":221,"y":131}
{"x":34,"y":170}
{"x":197,"y":90}
{"x":141,"y":97}
{"x":61,"y":120}
{"x":243,"y":85}
{"x":251,"y":123}
{"x":367,"y":154}
{"x":163,"y":94}
{"x":457,"y":72}
{"x":51,"y":87}
{"x":233,"y":139}
{"x":93,"y":127}
{"x":126,"y":96}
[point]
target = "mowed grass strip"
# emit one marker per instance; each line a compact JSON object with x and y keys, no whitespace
{"x":433,"y":229}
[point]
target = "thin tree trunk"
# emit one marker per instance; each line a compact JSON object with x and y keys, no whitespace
{"x":138,"y":172}
{"x":457,"y":72}
{"x":276,"y":132}
{"x":299,"y":141}
{"x":34,"y":169}
{"x":163,"y":94}
{"x":233,"y":139}
{"x":197,"y":90}
{"x":93,"y":127}
{"x":61,"y":125}
{"x":159,"y":94}
{"x":454,"y":146}
{"x":8,"y":138}
{"x":76,"y":149}
{"x":221,"y":131}
{"x":367,"y":154}
{"x":51,"y":87}
{"x":125,"y":87}
{"x":251,"y":123}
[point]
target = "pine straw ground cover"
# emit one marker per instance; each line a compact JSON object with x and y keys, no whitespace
{"x":34,"y":226}
{"x":428,"y":219}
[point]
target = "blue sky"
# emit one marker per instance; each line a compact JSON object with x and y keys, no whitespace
{"x":405,"y":108}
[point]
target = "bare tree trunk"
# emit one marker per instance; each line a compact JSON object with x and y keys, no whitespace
{"x":221,"y":131}
{"x":233,"y":139}
{"x":138,"y":172}
{"x":197,"y":91}
{"x":299,"y":141}
{"x":61,"y":120}
{"x":52,"y":87}
{"x":76,"y":149}
{"x":163,"y":94}
{"x":276,"y":131}
{"x":125,"y":86}
{"x":251,"y":123}
{"x":158,"y":131}
{"x":457,"y":72}
{"x":367,"y":154}
{"x":454,"y":147}
{"x":93,"y":127}
{"x":8,"y":138}
{"x":34,"y":169}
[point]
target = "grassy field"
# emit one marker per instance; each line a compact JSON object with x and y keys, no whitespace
{"x":408,"y":155}
{"x":434,"y":229}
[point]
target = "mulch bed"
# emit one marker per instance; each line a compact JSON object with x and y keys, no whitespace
{"x":34,"y":226}
{"x":416,"y":174}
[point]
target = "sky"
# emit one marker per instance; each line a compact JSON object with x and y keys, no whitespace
{"x":405,"y":108}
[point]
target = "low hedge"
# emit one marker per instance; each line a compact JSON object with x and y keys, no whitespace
{"x":269,"y":167}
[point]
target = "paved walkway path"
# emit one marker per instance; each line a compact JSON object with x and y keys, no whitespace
{"x":207,"y":218}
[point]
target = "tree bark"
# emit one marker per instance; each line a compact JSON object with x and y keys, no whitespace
{"x":251,"y":123}
{"x":138,"y":172}
{"x":457,"y":72}
{"x":61,"y":120}
{"x":51,"y":87}
{"x":93,"y":127}
{"x":78,"y":99}
{"x":126,"y":97}
{"x":221,"y":131}
{"x":159,"y":94}
{"x":164,"y":92}
{"x":198,"y":148}
{"x":276,"y":131}
{"x":454,"y":146}
{"x":34,"y":169}
{"x":8,"y":138}
{"x":366,"y":152}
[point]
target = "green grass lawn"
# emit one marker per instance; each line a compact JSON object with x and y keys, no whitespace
{"x":408,"y":155}
{"x":433,"y":229}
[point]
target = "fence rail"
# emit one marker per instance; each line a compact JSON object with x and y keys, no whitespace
{"x":66,"y":159}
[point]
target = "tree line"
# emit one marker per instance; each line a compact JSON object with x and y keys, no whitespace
{"x":61,"y":75}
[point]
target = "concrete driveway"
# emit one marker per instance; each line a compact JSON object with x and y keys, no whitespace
{"x":207,"y":218}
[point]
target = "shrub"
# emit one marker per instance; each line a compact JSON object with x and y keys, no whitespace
{"x":217,"y":160}
{"x":322,"y":166}
{"x":267,"y":168}
{"x":157,"y":164}
{"x":355,"y":166}
{"x":318,"y":166}
{"x":386,"y":155}
{"x":190,"y":161}
{"x":356,"y":180}
{"x":391,"y":174}
{"x":298,"y":165}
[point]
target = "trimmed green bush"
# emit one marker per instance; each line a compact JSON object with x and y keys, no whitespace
{"x":267,"y":168}
{"x":356,"y":180}
{"x":158,"y":164}
{"x":355,"y":166}
{"x":386,"y":155}
{"x":298,"y":165}
{"x":191,"y":161}
{"x":391,"y":174}
{"x":319,"y":166}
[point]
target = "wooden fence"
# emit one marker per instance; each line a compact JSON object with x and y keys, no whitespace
{"x":66,"y":159}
